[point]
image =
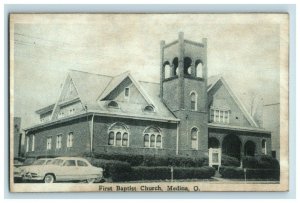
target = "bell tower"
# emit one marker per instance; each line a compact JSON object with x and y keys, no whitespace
{"x":183,"y":88}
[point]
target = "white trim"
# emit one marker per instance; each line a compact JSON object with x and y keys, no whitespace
{"x":56,"y":103}
{"x":265,"y":146}
{"x":235,"y":98}
{"x":33,"y":143}
{"x":240,"y":128}
{"x":27,"y":143}
{"x":239,"y":103}
{"x":105,"y":114}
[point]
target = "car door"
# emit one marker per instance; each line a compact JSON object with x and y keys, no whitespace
{"x":83,"y":170}
{"x":69,"y":170}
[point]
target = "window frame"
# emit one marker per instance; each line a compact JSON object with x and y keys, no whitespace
{"x":70,"y":140}
{"x":219,"y":115}
{"x":194,"y":140}
{"x":49,"y":143}
{"x":193,"y":102}
{"x":149,"y":135}
{"x":123,"y":130}
{"x":58,"y":141}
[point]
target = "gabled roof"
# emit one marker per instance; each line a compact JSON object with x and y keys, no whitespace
{"x":93,"y":88}
{"x":89,"y":86}
{"x":212,"y":81}
{"x":120,"y":78}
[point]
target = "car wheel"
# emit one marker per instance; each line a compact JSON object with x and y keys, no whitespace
{"x":90,"y":180}
{"x":49,"y":178}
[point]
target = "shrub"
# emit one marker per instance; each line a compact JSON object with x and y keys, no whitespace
{"x":231,"y":172}
{"x":150,"y":173}
{"x":250,"y":162}
{"x":229,"y":161}
{"x":268,"y":162}
{"x":260,"y":162}
{"x":154,"y":160}
{"x":163,"y":173}
{"x":263,"y":174}
{"x":133,"y":160}
{"x":117,"y":170}
{"x":189,"y":173}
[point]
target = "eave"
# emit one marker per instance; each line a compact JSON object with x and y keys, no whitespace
{"x":104,"y":114}
{"x":238,"y":128}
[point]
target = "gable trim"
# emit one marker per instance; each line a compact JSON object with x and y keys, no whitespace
{"x":236,"y":100}
{"x":60,"y":95}
{"x":137,"y":85}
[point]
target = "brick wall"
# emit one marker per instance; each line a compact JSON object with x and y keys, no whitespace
{"x":81,"y":141}
{"x":136,"y":138}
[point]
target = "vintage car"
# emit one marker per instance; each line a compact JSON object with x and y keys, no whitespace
{"x":65,"y":169}
{"x":19,"y":170}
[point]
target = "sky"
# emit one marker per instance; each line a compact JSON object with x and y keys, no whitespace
{"x":244,"y":49}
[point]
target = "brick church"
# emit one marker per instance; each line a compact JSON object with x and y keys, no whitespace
{"x":186,"y":113}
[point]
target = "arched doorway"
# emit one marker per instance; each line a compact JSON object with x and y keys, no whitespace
{"x":249,"y":148}
{"x":231,"y":146}
{"x":213,"y":142}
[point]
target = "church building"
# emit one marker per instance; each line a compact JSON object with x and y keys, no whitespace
{"x":186,"y":113}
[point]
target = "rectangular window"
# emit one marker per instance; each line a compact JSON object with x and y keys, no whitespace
{"x":217,"y":116}
{"x":32,"y":143}
{"x":27,"y":143}
{"x":58,"y":141}
{"x":49,"y":143}
{"x":70,"y":140}
{"x":126,"y":92}
{"x":221,"y":116}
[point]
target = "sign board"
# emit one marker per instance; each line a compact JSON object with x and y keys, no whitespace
{"x":214,"y":155}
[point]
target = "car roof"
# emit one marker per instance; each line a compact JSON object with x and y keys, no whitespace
{"x":67,"y":158}
{"x":45,"y":159}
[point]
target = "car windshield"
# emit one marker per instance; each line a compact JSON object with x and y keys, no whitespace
{"x":56,"y":162}
{"x":38,"y":162}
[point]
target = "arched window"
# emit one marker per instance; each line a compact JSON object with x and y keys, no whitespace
{"x":187,"y":66}
{"x":175,"y":66}
{"x":194,"y":138}
{"x":149,"y":108}
{"x":152,"y":137}
{"x":118,"y":135}
{"x":264,"y":147}
{"x":199,"y":69}
{"x":193,"y":96}
{"x":146,"y":140}
{"x":113,"y":104}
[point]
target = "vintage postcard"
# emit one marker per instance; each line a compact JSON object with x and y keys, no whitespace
{"x":148,"y":102}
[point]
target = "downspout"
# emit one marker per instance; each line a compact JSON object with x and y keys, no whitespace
{"x":92,"y":135}
{"x":177,"y":138}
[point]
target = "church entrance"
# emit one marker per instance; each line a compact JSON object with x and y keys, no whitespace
{"x":231,"y":146}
